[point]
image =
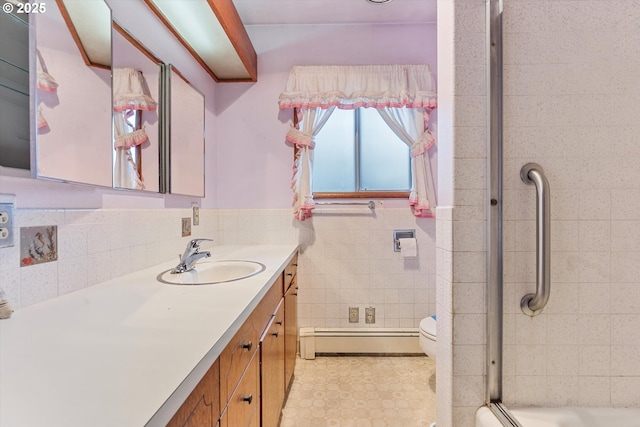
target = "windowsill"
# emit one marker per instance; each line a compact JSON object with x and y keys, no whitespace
{"x":363,"y":195}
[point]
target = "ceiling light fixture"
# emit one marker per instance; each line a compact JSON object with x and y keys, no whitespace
{"x":211,"y":30}
{"x":377,"y":1}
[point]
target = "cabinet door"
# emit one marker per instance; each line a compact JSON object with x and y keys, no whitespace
{"x":290,"y":271}
{"x":236,"y":356}
{"x":243,"y":409}
{"x":291,"y":331}
{"x":201,"y":407}
{"x":272,"y":380}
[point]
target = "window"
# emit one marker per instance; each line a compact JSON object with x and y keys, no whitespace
{"x":357,"y":153}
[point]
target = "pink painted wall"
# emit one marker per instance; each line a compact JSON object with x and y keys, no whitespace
{"x":252,"y":161}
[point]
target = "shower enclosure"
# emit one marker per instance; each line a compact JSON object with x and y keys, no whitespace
{"x":564,"y":92}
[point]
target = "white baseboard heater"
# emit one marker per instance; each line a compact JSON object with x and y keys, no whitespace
{"x":358,"y":341}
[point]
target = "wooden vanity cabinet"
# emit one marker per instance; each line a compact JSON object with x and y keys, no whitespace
{"x":272,"y":369}
{"x":290,"y":322}
{"x":202,"y":407}
{"x":247,"y":384}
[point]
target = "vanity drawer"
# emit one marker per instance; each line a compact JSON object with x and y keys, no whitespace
{"x":243,"y":409}
{"x":237,"y":354}
{"x":290,"y":272}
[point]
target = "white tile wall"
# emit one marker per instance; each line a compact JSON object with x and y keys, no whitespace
{"x":570,"y":87}
{"x":571,"y":94}
{"x":347,"y":260}
{"x":95,"y":245}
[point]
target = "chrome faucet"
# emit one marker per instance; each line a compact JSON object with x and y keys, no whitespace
{"x":191,"y":255}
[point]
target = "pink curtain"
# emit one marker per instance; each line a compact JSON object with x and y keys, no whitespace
{"x":317,"y":89}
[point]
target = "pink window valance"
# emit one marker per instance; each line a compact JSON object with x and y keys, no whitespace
{"x":354,"y":86}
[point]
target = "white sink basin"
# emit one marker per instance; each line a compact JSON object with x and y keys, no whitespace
{"x":211,"y":272}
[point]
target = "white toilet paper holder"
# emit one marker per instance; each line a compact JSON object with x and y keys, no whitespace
{"x":401,"y":234}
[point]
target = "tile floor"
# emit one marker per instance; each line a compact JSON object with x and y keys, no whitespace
{"x":349,"y":391}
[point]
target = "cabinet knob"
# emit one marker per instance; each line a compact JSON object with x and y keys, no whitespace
{"x":275,"y":334}
{"x":248,"y":399}
{"x":295,"y":265}
{"x":248,"y":346}
{"x":279,"y":322}
{"x":295,"y":294}
{"x":289,"y":274}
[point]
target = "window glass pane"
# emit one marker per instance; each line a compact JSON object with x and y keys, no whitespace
{"x":384,"y":158}
{"x":334,"y":154}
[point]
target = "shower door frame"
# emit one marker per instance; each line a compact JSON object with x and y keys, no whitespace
{"x":494,"y":233}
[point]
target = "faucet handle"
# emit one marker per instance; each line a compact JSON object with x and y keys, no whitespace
{"x":195,"y":243}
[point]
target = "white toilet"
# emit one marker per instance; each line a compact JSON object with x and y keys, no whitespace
{"x":428,"y":336}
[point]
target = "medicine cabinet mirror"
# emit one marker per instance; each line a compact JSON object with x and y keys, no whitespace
{"x":185,"y":142}
{"x":63,"y":125}
{"x":73,"y":93}
{"x":136,"y":113}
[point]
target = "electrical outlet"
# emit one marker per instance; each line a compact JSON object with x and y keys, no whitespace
{"x":196,"y":215}
{"x":370,"y":315}
{"x":6,"y":225}
{"x":354,"y":314}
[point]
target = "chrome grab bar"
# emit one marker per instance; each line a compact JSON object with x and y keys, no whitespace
{"x":370,"y":204}
{"x":532,"y":304}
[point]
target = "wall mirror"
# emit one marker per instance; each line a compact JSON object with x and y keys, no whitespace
{"x":73,"y":93}
{"x":14,"y":92}
{"x":136,"y":118}
{"x":185,"y":142}
{"x":74,"y":48}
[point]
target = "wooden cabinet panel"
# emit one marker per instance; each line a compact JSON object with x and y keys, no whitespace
{"x":291,"y":331}
{"x":236,"y":356}
{"x":268,"y":305}
{"x":272,"y":370}
{"x":290,"y":271}
{"x":201,"y":408}
{"x":243,"y":409}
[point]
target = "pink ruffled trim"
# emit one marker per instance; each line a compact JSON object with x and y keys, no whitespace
{"x":420,"y":209}
{"x":422,"y":213}
{"x":42,"y":122}
{"x":46,"y":82}
{"x":131,"y":139}
{"x":426,"y":141}
{"x":352,"y":105}
{"x":304,"y":213}
{"x":133,"y":102}
{"x":299,"y":138}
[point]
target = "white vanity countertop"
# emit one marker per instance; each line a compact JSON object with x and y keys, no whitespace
{"x":126,"y":352}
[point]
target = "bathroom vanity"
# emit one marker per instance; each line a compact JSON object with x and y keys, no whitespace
{"x":137,"y":352}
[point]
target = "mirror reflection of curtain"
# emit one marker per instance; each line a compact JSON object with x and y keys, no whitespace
{"x":130,"y":96}
{"x":46,"y":83}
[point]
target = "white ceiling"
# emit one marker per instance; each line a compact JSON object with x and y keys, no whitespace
{"x":289,"y":12}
